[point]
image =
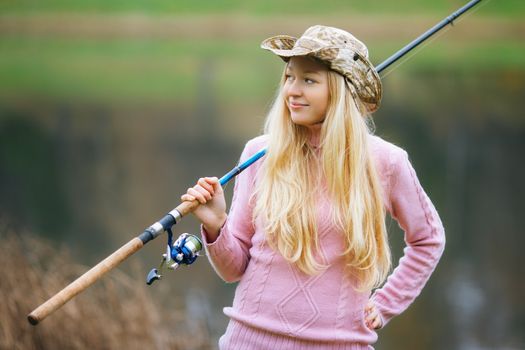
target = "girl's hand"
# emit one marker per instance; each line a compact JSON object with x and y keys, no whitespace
{"x":372,"y":317}
{"x":212,"y":211}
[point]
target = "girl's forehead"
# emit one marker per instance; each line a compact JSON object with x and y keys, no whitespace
{"x":304,"y":63}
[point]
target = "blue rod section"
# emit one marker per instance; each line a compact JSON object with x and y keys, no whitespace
{"x":239,"y":168}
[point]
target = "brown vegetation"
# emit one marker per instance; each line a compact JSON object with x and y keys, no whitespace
{"x":115,"y":313}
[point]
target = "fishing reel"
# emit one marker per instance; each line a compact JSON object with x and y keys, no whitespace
{"x":184,"y":250}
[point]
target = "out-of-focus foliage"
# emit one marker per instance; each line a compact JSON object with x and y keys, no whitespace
{"x":116,"y":52}
{"x":259,"y":7}
{"x":115,"y":313}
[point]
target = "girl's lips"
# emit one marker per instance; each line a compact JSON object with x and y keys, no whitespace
{"x":295,"y":105}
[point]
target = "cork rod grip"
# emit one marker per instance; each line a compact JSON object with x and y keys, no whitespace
{"x":187,"y":207}
{"x":84,"y":281}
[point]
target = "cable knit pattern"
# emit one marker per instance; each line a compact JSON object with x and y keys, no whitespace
{"x":276,"y":306}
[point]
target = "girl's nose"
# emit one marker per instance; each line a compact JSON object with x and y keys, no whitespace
{"x":294,"y":88}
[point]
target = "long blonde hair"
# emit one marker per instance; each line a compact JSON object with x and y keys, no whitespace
{"x":291,"y":171}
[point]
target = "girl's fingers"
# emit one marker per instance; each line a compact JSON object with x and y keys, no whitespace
{"x":203,"y":191}
{"x":204,"y":183}
{"x":372,"y":316}
{"x":187,"y":197}
{"x":376,"y":323}
{"x":369,"y":306}
{"x":214,"y":182}
{"x":211,"y":180}
{"x":198,"y":195}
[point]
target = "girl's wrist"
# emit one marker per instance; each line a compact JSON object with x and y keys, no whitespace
{"x":213,"y":229}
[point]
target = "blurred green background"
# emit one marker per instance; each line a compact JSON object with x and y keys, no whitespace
{"x":109,"y":110}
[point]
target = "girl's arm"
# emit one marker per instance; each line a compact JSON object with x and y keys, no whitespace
{"x":424,"y":236}
{"x":229,"y":249}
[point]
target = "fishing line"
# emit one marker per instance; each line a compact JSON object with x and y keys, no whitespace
{"x":408,"y":57}
{"x":428,"y":41}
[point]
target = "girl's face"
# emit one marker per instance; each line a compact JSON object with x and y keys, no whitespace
{"x":306,"y":91}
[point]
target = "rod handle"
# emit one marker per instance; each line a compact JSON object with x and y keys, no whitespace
{"x":84,"y":281}
{"x":187,"y":207}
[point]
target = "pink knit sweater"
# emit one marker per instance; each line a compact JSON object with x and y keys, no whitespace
{"x":276,"y":306}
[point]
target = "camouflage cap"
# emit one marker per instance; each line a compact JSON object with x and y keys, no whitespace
{"x":341,"y":51}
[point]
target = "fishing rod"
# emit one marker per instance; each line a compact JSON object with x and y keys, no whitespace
{"x":412,"y":45}
{"x":185,"y":249}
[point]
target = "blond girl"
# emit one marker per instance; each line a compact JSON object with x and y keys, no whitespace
{"x":305,"y":236}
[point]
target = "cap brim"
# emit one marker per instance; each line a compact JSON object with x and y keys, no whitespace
{"x":283,"y":46}
{"x":279,"y":42}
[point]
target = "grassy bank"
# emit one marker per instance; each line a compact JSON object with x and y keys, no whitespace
{"x":514,"y":8}
{"x":160,"y":71}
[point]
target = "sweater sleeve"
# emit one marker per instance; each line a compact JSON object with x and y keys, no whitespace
{"x":424,"y":238}
{"x":229,"y":254}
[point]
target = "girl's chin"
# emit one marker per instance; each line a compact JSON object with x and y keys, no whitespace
{"x":300,"y":120}
{"x":306,"y":123}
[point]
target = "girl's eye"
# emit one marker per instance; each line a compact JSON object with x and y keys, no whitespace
{"x":309,"y":81}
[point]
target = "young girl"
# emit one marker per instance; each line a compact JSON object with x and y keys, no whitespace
{"x":305,"y":235}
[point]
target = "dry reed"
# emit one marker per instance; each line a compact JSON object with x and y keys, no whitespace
{"x":114,"y":313}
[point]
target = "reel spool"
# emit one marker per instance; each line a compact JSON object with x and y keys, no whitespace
{"x":184,"y":251}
